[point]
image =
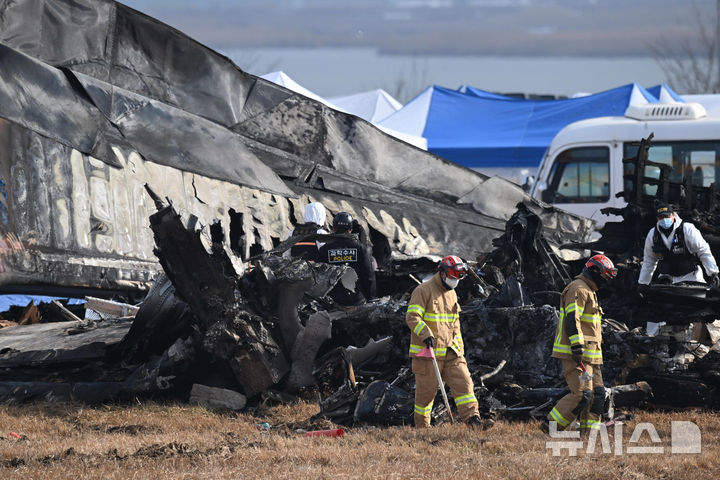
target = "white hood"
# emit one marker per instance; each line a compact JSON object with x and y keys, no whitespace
{"x":315,"y":212}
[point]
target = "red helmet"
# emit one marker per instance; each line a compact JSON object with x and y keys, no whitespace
{"x":603,"y":265}
{"x":453,"y":267}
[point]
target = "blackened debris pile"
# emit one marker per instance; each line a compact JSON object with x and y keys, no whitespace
{"x":231,"y":330}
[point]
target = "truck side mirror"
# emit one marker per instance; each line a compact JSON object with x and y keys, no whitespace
{"x":542,"y":192}
{"x":529,"y":182}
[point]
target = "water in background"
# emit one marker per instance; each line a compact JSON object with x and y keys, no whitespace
{"x":340,"y":71}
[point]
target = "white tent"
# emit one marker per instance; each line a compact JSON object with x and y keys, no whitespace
{"x":373,"y":106}
{"x":284,"y":80}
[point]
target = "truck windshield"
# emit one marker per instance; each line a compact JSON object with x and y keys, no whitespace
{"x":580,"y":175}
{"x":698,"y":160}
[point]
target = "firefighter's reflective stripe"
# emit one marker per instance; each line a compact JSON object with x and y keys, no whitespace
{"x":462,"y":400}
{"x":555,"y":414}
{"x":439,"y":352}
{"x":590,"y":317}
{"x":440,"y":317}
{"x":587,"y":353}
{"x":306,"y":244}
{"x":457,"y":344}
{"x":590,"y":424}
{"x":577,"y":339}
{"x":416,"y":309}
{"x":591,"y":353}
{"x":420,"y":410}
{"x":419,"y":327}
{"x":558,"y":346}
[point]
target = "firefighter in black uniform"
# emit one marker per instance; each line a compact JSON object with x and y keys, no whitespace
{"x":346,"y":250}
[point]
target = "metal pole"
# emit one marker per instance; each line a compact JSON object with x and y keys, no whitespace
{"x":441,"y":385}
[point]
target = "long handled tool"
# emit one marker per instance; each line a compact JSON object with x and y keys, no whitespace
{"x":429,"y":352}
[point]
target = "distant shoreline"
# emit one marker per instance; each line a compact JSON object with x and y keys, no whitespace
{"x":332,"y":72}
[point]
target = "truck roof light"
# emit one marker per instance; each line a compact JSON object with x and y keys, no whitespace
{"x":666,"y":111}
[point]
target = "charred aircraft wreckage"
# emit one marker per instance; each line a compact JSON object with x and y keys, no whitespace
{"x":109,"y":118}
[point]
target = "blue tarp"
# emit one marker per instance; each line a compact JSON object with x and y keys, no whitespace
{"x":488,"y":95}
{"x":665,"y":94}
{"x":479,"y":129}
{"x":9,"y":300}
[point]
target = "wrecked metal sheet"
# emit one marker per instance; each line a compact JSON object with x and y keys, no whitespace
{"x":55,"y":104}
{"x":194,"y":145}
{"x":59,"y":342}
{"x":123,"y":47}
{"x":99,"y":99}
{"x":117,"y":45}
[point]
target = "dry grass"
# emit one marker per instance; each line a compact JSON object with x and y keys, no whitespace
{"x":160,"y":441}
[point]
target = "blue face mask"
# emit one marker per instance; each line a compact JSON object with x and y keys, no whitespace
{"x":665,"y":223}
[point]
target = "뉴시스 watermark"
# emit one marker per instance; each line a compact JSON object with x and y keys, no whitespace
{"x":685,"y":438}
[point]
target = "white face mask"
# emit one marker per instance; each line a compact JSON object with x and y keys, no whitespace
{"x":665,"y":222}
{"x":452,"y":282}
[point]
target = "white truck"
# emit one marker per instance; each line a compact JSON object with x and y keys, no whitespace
{"x":582,"y":169}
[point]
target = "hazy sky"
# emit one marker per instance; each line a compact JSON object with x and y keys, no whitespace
{"x":404,"y":45}
{"x":562,"y":27}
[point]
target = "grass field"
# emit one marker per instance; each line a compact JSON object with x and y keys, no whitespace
{"x":148,"y":441}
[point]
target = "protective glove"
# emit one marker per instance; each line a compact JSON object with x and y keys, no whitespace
{"x":429,"y":341}
{"x":358,"y":230}
{"x":577,"y":353}
{"x":715,"y":280}
{"x":643,"y":289}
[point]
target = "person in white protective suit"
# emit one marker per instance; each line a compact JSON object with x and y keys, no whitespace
{"x":677,"y":249}
{"x":314,"y":222}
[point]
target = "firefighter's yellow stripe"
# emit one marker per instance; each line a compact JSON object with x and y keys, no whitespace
{"x":590,"y":424}
{"x":439,"y":352}
{"x":440,"y":317}
{"x":559,"y":418}
{"x":590,"y":317}
{"x":463,"y":399}
{"x":593,"y":353}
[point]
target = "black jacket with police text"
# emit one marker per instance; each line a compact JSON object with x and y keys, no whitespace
{"x":348,"y":251}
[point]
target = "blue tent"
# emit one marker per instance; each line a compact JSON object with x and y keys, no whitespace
{"x":665,"y":94}
{"x":474,"y":92}
{"x":479,"y":129}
